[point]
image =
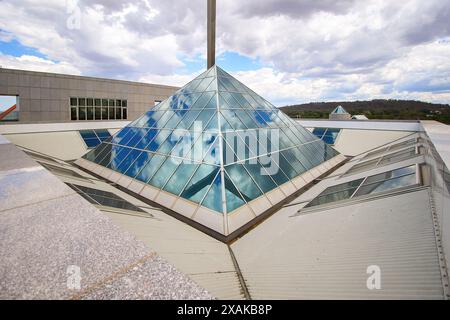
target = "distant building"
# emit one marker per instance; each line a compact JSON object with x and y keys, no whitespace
{"x":359,"y":117}
{"x":339,"y":113}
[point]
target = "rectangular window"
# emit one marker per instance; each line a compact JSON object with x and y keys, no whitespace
{"x":73,"y":113}
{"x":104,"y":198}
{"x":97,"y":109}
{"x":104,"y":113}
{"x":9,"y":108}
{"x":98,"y":113}
{"x":118,"y":113}
{"x":157,"y":102}
{"x":82,"y":113}
{"x":90,"y":113}
{"x":111,"y":113}
{"x":390,"y":180}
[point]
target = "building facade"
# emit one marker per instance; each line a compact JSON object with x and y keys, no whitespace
{"x":49,"y":97}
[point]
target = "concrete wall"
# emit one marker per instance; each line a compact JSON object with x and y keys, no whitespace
{"x":45,"y":97}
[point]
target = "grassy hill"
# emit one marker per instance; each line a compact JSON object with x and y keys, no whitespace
{"x":375,"y":109}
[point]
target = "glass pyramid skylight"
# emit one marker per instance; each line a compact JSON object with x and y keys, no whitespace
{"x":215,"y":152}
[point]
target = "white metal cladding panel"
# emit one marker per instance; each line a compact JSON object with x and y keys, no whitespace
{"x":204,"y":259}
{"x":326,"y":254}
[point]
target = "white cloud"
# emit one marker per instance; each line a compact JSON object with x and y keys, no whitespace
{"x":312,"y":50}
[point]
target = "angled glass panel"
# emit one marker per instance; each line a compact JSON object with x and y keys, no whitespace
{"x":213,"y":199}
{"x":118,"y":154}
{"x":191,"y":86}
{"x":342,"y":187}
{"x":332,"y":197}
{"x":140,"y":133}
{"x":120,"y":135}
{"x":102,"y":152}
{"x":167,"y":146}
{"x":391,"y":174}
{"x":232,"y":195}
{"x":231,"y":102}
{"x":102,"y":133}
{"x":243,"y":182}
{"x":386,"y":185}
{"x":204,"y":84}
{"x":129,"y":159}
{"x":183,"y":101}
{"x":188,"y":119}
{"x":138,"y":164}
{"x":212,"y":154}
{"x":211,"y":72}
{"x":293,"y":161}
{"x":149,"y":119}
{"x":224,"y":125}
{"x":164,"y":172}
{"x":88,"y":134}
{"x":270,"y":164}
{"x":261,"y":176}
{"x":91,"y":155}
{"x":174,"y":120}
{"x":212,"y":86}
{"x":147,"y":138}
{"x":150,"y":168}
{"x":131,"y":133}
{"x":92,"y":143}
{"x":233,"y":120}
{"x":200,"y":182}
{"x":202,"y":120}
{"x":181,"y":176}
{"x":203,"y":100}
{"x":159,"y":139}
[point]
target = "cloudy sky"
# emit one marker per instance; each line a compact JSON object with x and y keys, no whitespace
{"x":290,"y":51}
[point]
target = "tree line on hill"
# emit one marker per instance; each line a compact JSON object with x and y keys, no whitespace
{"x":375,"y":109}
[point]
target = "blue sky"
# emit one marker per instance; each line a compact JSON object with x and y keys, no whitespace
{"x":288,"y":51}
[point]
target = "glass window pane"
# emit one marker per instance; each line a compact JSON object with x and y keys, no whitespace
{"x":232,"y":195}
{"x":124,"y":114}
{"x":81,"y":102}
{"x":180,"y":177}
{"x":391,"y":174}
{"x":104,"y":113}
{"x":199,"y":183}
{"x":98,"y":113}
{"x":73,"y":114}
{"x":149,"y":136}
{"x":213,"y":199}
{"x":118,"y":154}
{"x":150,"y":168}
{"x":137,"y":166}
{"x":118,"y":113}
{"x":90,"y":102}
{"x":90,"y":113}
{"x":97,"y":102}
{"x":243,"y":181}
{"x":261,"y":176}
{"x":73,"y":101}
{"x":87,"y":134}
{"x":164,"y":172}
{"x":104,"y":102}
{"x":127,"y":162}
{"x":112,"y":103}
{"x":82,"y":113}
{"x":386,"y":185}
{"x":112,"y":113}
